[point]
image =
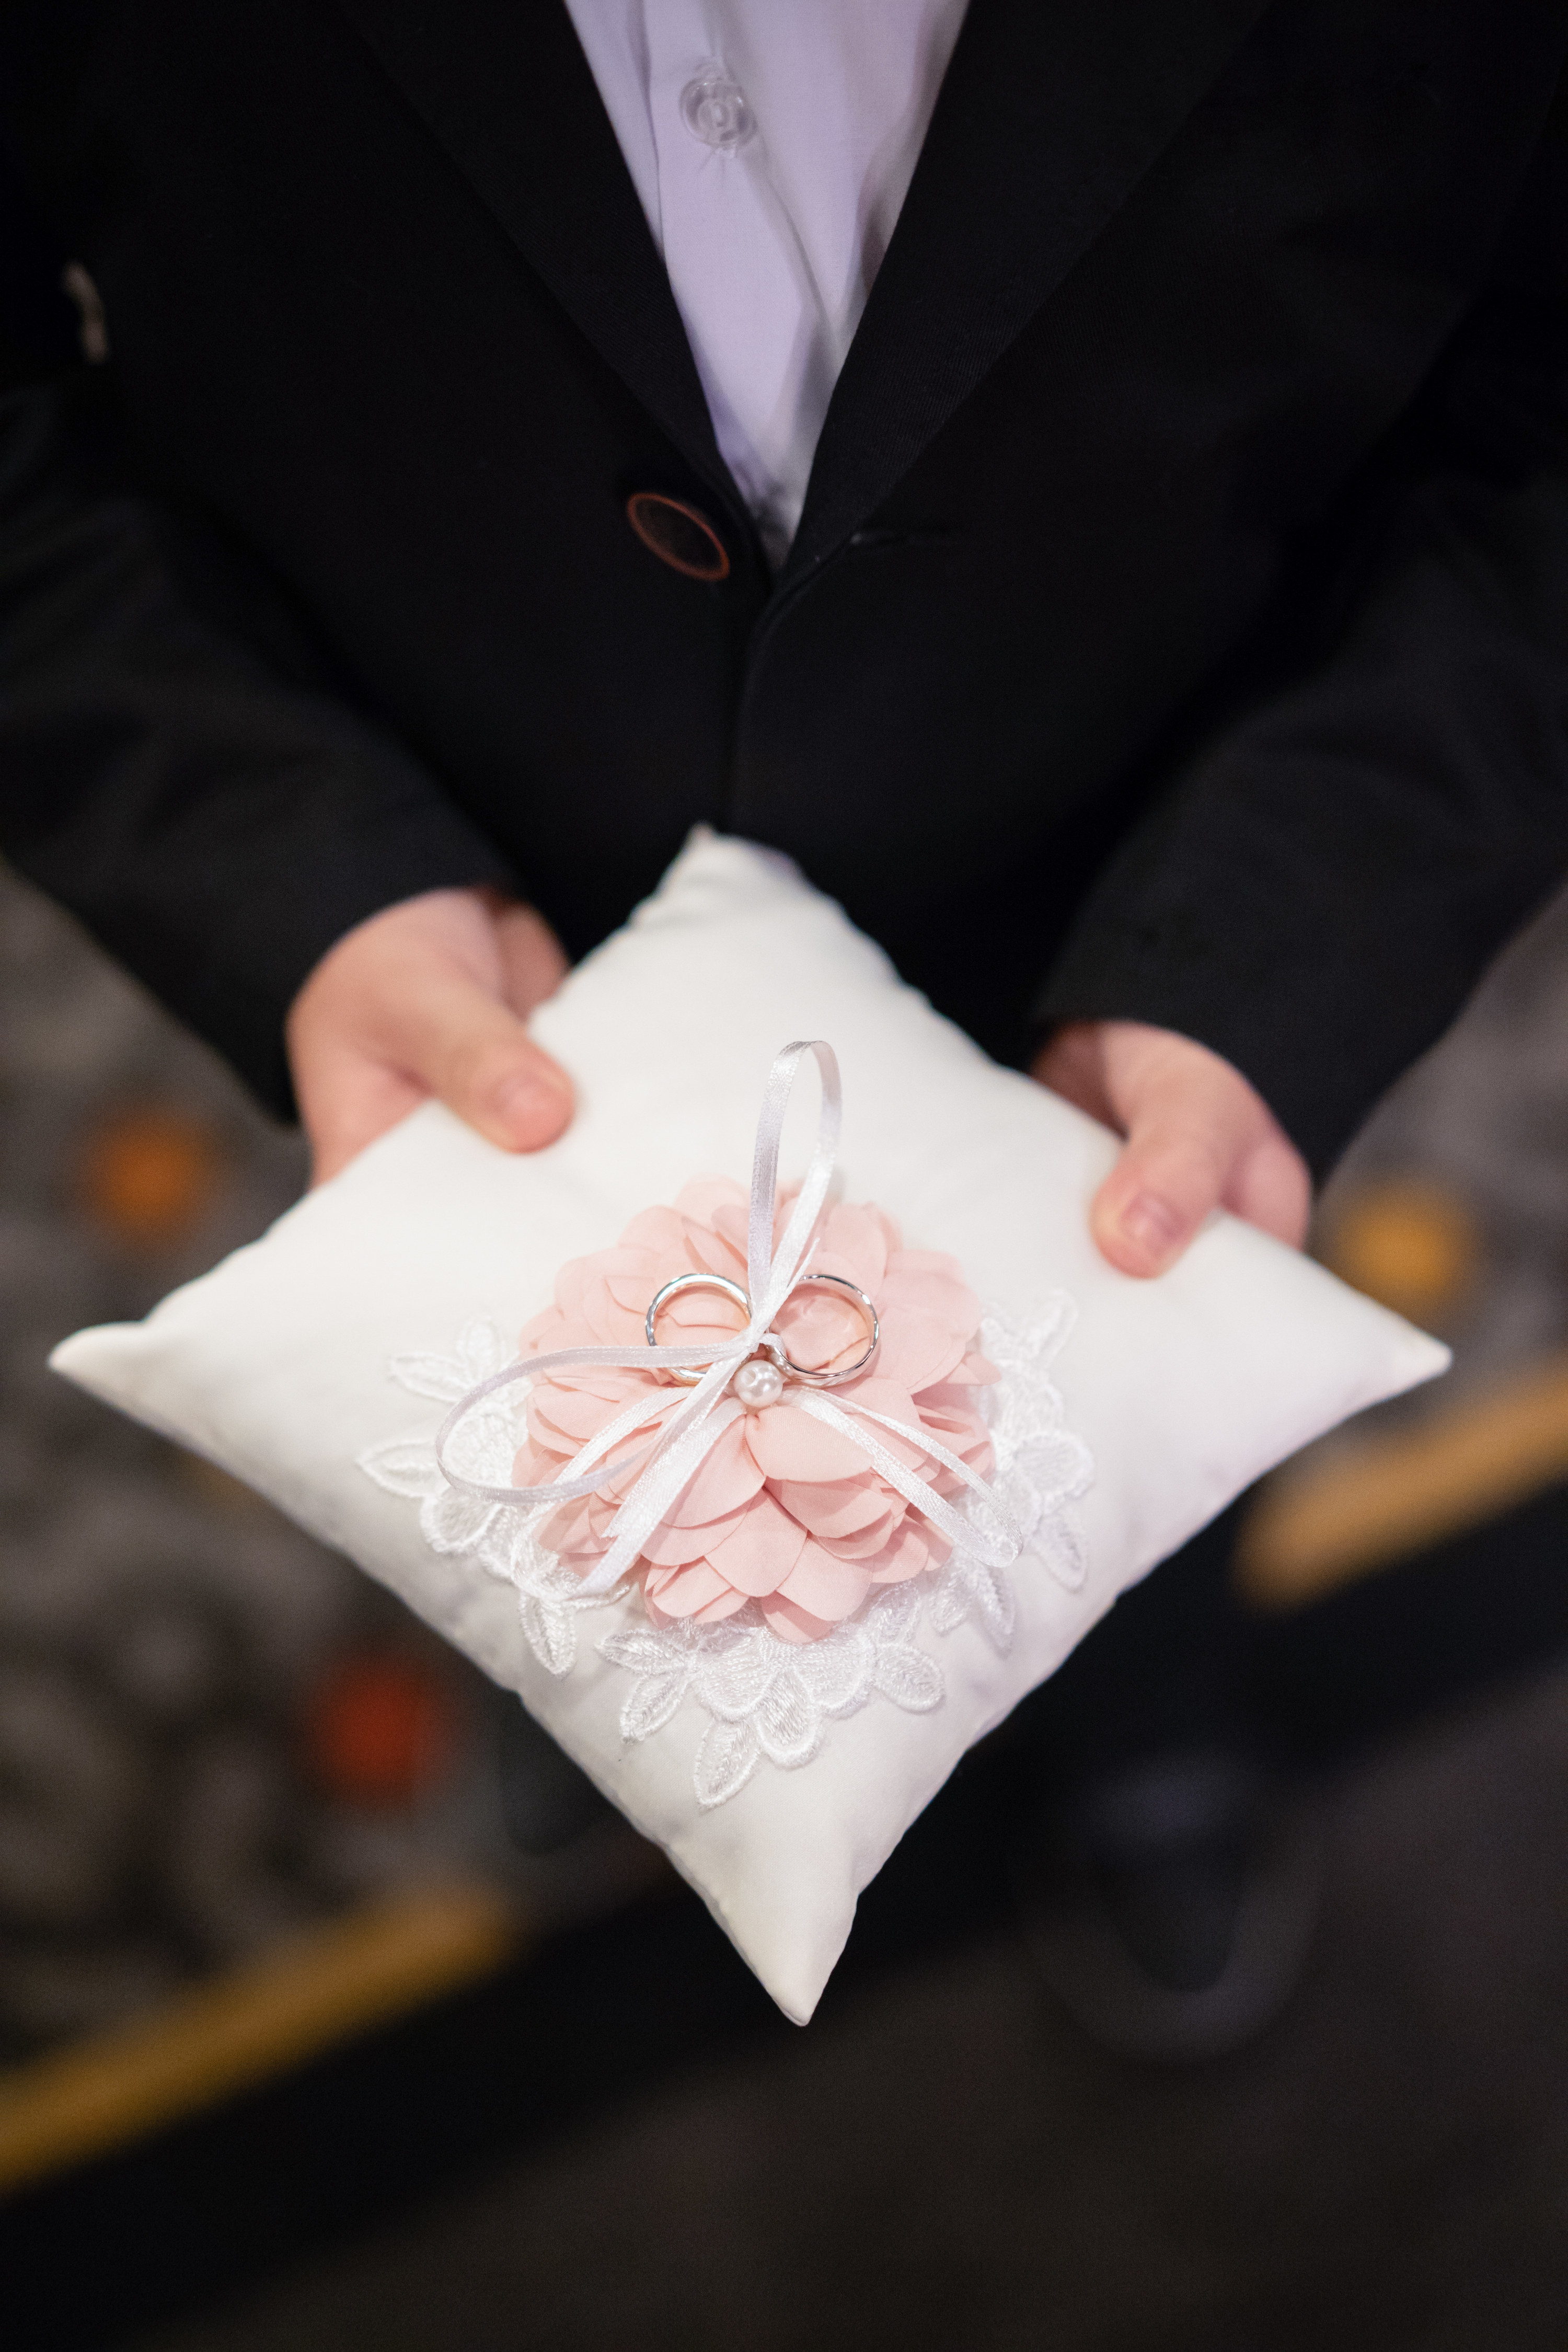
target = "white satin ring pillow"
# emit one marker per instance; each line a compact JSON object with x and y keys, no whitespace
{"x":317,"y":1363}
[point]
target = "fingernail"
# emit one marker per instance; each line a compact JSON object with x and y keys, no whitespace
{"x":527,"y":1102}
{"x":1151,"y":1224}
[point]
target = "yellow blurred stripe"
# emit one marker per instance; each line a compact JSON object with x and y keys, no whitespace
{"x":221,"y":2037}
{"x":1362,"y":1506}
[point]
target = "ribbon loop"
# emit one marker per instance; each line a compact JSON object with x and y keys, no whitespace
{"x":695,"y":1415}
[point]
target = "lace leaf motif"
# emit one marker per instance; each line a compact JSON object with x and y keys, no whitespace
{"x":767,"y":1698}
{"x":455,"y":1526}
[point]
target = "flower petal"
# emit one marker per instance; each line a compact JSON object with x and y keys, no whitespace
{"x":835,"y":1506}
{"x":762,"y":1548}
{"x":829,"y":1588}
{"x":888,"y":1397}
{"x":918,"y":1349}
{"x":659,"y":1231}
{"x":730,"y":1220}
{"x":857,"y":1238}
{"x":791,"y":1623}
{"x":713,"y":1612}
{"x":788,"y":1444}
{"x":871,"y":1541}
{"x":963,"y":1434}
{"x":601,"y":1379}
{"x":928,"y":1283}
{"x":540,"y":1332}
{"x":705,"y":1195}
{"x":692,"y":1590}
{"x":571,"y":1286}
{"x":633,"y":1291}
{"x":952,"y":1395}
{"x":915,"y":1261}
{"x":674,"y":1547}
{"x":725,"y":1480}
{"x":708,"y":1252}
{"x":908,"y":1552}
{"x":577,"y":1413}
{"x":569,"y":1533}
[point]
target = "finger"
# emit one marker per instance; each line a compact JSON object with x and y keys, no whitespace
{"x":1273,"y":1187}
{"x":532,"y":962}
{"x":475,"y":1054}
{"x":1168,"y":1179}
{"x":343,"y":1114}
{"x":1072,"y":1064}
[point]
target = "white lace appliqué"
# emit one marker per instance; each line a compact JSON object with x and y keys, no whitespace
{"x":768,"y":1697}
{"x":764,"y":1698}
{"x":484,"y":1449}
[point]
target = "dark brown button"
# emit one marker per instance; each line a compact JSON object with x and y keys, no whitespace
{"x":677,"y":535}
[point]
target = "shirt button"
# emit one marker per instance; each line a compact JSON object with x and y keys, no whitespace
{"x":713,"y":108}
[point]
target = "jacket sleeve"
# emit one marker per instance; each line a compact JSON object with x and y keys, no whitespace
{"x":1324,"y":880}
{"x":213,"y":821}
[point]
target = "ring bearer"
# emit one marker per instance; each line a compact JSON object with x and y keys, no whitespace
{"x":1088,"y":482}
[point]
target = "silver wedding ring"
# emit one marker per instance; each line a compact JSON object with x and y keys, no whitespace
{"x":831,"y":1379}
{"x":719,"y":1282}
{"x":770,"y":1344}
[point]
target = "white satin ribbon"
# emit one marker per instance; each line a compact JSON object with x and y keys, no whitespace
{"x":699,"y":1416}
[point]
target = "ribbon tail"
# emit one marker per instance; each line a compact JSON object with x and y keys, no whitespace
{"x":571,"y":1484}
{"x":680,"y":1458}
{"x":961,"y":1532}
{"x":770,"y":1274}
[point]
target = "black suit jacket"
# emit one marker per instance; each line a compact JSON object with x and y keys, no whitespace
{"x":1178,"y":622}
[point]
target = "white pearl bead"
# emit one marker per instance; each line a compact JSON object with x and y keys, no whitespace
{"x":758,"y":1383}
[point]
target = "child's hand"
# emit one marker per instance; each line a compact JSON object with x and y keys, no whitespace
{"x":1198,"y":1138}
{"x":427,"y":998}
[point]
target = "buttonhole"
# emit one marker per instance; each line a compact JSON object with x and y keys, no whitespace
{"x":934,"y":535}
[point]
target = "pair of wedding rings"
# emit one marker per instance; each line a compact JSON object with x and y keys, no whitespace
{"x":757,"y":1383}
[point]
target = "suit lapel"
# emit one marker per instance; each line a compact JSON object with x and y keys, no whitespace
{"x":1051,"y":112}
{"x":1049,"y":116}
{"x":504,"y":85}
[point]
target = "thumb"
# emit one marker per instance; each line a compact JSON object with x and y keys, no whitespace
{"x":1170,"y":1177}
{"x":475,"y":1055}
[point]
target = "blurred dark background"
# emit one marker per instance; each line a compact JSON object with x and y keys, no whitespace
{"x":300,"y":2047}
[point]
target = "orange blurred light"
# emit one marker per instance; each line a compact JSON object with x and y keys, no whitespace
{"x":148,"y":1176}
{"x":1411,"y":1243}
{"x":379,"y":1731}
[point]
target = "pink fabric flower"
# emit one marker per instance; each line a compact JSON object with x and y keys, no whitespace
{"x":783,"y":1511}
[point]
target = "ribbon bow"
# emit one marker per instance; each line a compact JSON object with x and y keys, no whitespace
{"x":677,"y":1453}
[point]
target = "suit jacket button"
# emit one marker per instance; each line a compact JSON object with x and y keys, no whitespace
{"x":678,"y":535}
